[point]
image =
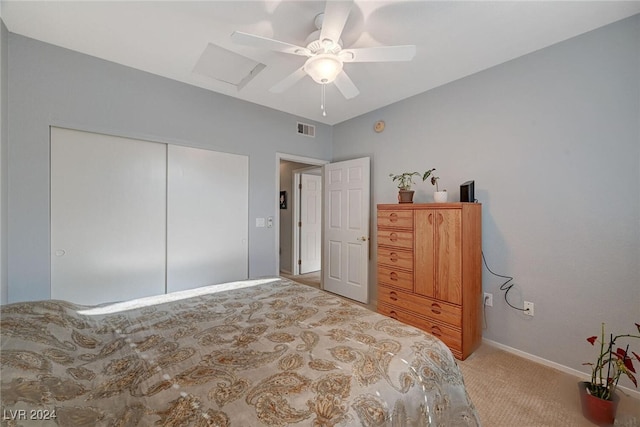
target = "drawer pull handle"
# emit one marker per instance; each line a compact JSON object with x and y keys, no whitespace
{"x":436,"y":331}
{"x":393,"y":276}
{"x":393,"y":217}
{"x":393,"y":237}
{"x":435,"y":308}
{"x":393,"y":296}
{"x":393,"y":257}
{"x":393,"y":315}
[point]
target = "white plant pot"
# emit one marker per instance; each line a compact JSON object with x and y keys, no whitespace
{"x":440,"y":196}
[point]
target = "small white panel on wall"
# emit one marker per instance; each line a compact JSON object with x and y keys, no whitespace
{"x":207,"y":218}
{"x":108,"y":217}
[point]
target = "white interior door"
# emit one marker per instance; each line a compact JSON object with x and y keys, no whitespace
{"x":310,"y":223}
{"x":207,"y":218}
{"x":346,"y":231}
{"x":108,"y":220}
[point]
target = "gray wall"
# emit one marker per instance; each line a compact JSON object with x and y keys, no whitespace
{"x":552,"y":140}
{"x":53,"y":86}
{"x":4,"y":37}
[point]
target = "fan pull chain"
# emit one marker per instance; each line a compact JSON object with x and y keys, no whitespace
{"x":322,"y":100}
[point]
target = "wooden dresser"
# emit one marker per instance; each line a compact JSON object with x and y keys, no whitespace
{"x":430,"y":270}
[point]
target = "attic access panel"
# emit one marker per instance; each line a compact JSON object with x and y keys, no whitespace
{"x":226,"y":66}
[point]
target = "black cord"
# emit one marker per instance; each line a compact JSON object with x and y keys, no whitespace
{"x":506,"y":287}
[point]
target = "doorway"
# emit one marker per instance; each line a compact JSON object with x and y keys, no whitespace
{"x":345,"y":222}
{"x":299,"y":242}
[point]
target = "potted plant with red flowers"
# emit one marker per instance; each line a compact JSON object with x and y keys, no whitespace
{"x":598,"y":397}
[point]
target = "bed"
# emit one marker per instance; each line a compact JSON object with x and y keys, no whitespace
{"x":264,"y":352}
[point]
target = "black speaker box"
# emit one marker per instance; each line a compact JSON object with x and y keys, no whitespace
{"x":467,"y":192}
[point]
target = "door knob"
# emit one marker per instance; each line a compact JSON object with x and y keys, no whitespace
{"x":363,"y":238}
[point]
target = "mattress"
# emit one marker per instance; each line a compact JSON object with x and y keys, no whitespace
{"x":264,"y":352}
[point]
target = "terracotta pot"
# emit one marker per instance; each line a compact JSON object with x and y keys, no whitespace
{"x":599,"y":411}
{"x":405,"y":196}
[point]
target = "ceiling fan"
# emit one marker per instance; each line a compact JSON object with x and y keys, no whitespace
{"x":324,"y":52}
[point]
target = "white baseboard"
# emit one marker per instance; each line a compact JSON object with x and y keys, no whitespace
{"x":581,"y":375}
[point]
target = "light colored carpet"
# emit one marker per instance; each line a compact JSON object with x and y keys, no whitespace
{"x":311,"y":279}
{"x":511,"y":391}
{"x":315,"y":279}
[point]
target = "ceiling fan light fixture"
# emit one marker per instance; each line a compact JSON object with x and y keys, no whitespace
{"x":323,"y":68}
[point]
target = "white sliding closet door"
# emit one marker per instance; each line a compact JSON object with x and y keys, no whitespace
{"x":208,"y":217}
{"x":108,"y":217}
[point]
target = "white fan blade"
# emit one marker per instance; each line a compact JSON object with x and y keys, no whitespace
{"x":266,"y":43}
{"x":346,"y":86}
{"x":288,"y":81}
{"x":379,"y":54}
{"x":336,"y":13}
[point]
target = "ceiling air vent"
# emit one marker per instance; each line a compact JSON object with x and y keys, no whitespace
{"x":308,"y":130}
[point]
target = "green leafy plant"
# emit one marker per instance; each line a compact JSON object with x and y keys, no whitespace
{"x":405,"y":179}
{"x":434,"y":181}
{"x":434,"y":178}
{"x":427,"y":174}
{"x":611,"y":364}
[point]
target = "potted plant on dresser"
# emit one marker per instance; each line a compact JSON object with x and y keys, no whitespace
{"x":405,"y":181}
{"x":598,"y":396}
{"x":438,"y":196}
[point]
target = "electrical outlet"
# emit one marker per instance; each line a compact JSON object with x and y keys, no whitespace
{"x":488,"y":299}
{"x":528,"y":308}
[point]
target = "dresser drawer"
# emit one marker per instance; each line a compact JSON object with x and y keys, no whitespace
{"x":400,"y":219}
{"x":427,"y":307}
{"x":396,"y":238}
{"x":450,"y":336}
{"x":395,"y":258}
{"x":394,"y":277}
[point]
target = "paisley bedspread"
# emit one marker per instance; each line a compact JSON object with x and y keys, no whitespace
{"x":266,"y":352}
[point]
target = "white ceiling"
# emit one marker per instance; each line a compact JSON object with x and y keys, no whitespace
{"x":453,"y":38}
